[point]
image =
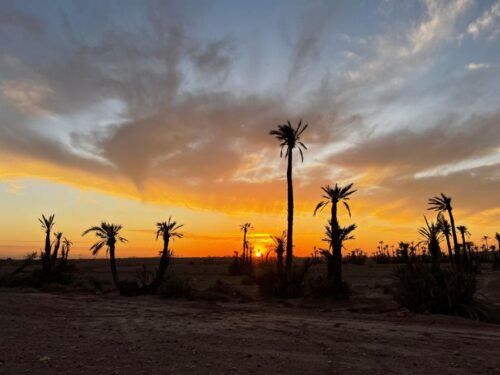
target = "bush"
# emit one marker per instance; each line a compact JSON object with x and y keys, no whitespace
{"x":238,"y":267}
{"x":174,"y":287}
{"x":272,"y":285}
{"x":357,"y":257}
{"x":224,"y":289}
{"x":321,"y":287}
{"x":444,"y":291}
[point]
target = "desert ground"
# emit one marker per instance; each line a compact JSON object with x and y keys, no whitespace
{"x":68,"y":331}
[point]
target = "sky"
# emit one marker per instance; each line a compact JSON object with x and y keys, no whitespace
{"x":135,"y":111}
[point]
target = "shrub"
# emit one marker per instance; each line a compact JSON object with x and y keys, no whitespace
{"x":223,"y":289}
{"x":443,"y":291}
{"x":238,"y":267}
{"x":174,"y":287}
{"x":321,"y":287}
{"x":271,"y":284}
{"x":357,"y":257}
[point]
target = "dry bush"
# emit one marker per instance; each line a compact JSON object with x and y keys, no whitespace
{"x":175,"y":287}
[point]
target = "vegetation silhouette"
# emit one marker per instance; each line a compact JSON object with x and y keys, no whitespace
{"x":335,"y":235}
{"x":289,"y":138}
{"x":442,"y":203}
{"x":168,"y":230}
{"x":108,"y":235}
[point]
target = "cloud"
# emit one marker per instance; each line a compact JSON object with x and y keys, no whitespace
{"x":486,"y":23}
{"x":477,"y":66}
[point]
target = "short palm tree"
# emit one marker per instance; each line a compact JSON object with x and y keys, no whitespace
{"x":289,"y":138}
{"x":108,"y":235}
{"x":168,"y":230}
{"x":279,"y":249}
{"x":403,"y":248}
{"x":334,"y":272}
{"x":47,"y":226}
{"x":333,"y":196}
{"x":432,"y":236}
{"x":442,"y":203}
{"x":66,"y":247}
{"x":464,"y":231}
{"x":497,"y":237}
{"x":445,"y":228}
{"x":485,"y":239}
{"x":245,"y":228}
{"x":57,"y":245}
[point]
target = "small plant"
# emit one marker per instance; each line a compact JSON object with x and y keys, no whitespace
{"x":357,"y":257}
{"x":271,"y":284}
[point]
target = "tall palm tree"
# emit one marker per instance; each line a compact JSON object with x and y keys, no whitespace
{"x":432,"y":236}
{"x":289,"y":138}
{"x":442,"y":203}
{"x":333,"y":196}
{"x":334,"y":272}
{"x":169,"y":231}
{"x":108,"y":235}
{"x":57,"y":245}
{"x":445,"y":228}
{"x":47,"y":226}
{"x":245,"y":228}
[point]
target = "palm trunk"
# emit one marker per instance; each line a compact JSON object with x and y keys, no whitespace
{"x":455,"y":239}
{"x":164,"y":262}
{"x":464,"y":245}
{"x":112,"y":264}
{"x":46,"y":259}
{"x":336,"y":250}
{"x":450,"y":254}
{"x":289,"y":238}
{"x":244,"y":245}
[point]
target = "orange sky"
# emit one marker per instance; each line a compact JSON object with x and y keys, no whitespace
{"x":134,"y":111}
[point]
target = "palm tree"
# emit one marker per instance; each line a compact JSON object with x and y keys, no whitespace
{"x":245,"y":228}
{"x":442,"y":203}
{"x":290,"y":139}
{"x":403,"y":248}
{"x":464,"y":232}
{"x":66,"y":247}
{"x":432,"y":236}
{"x":108,"y":234}
{"x":335,"y":195}
{"x":445,"y":228}
{"x":57,"y":245}
{"x":47,"y":225}
{"x":168,"y":230}
{"x":334,"y":272}
{"x":279,"y":249}
{"x":485,"y":239}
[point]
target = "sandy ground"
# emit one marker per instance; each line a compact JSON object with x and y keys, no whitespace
{"x":68,"y":333}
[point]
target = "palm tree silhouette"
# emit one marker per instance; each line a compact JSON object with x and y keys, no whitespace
{"x":432,"y":236}
{"x":47,"y":225}
{"x":334,"y":270}
{"x":108,"y":234}
{"x":335,"y":195}
{"x":290,"y":139}
{"x":497,"y":237}
{"x":168,"y":230}
{"x":66,"y":247}
{"x":57,"y":245}
{"x":485,"y":239}
{"x":279,"y":249}
{"x":245,"y":228}
{"x":464,"y":232}
{"x":445,"y":228}
{"x":403,"y":248}
{"x":442,"y":203}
